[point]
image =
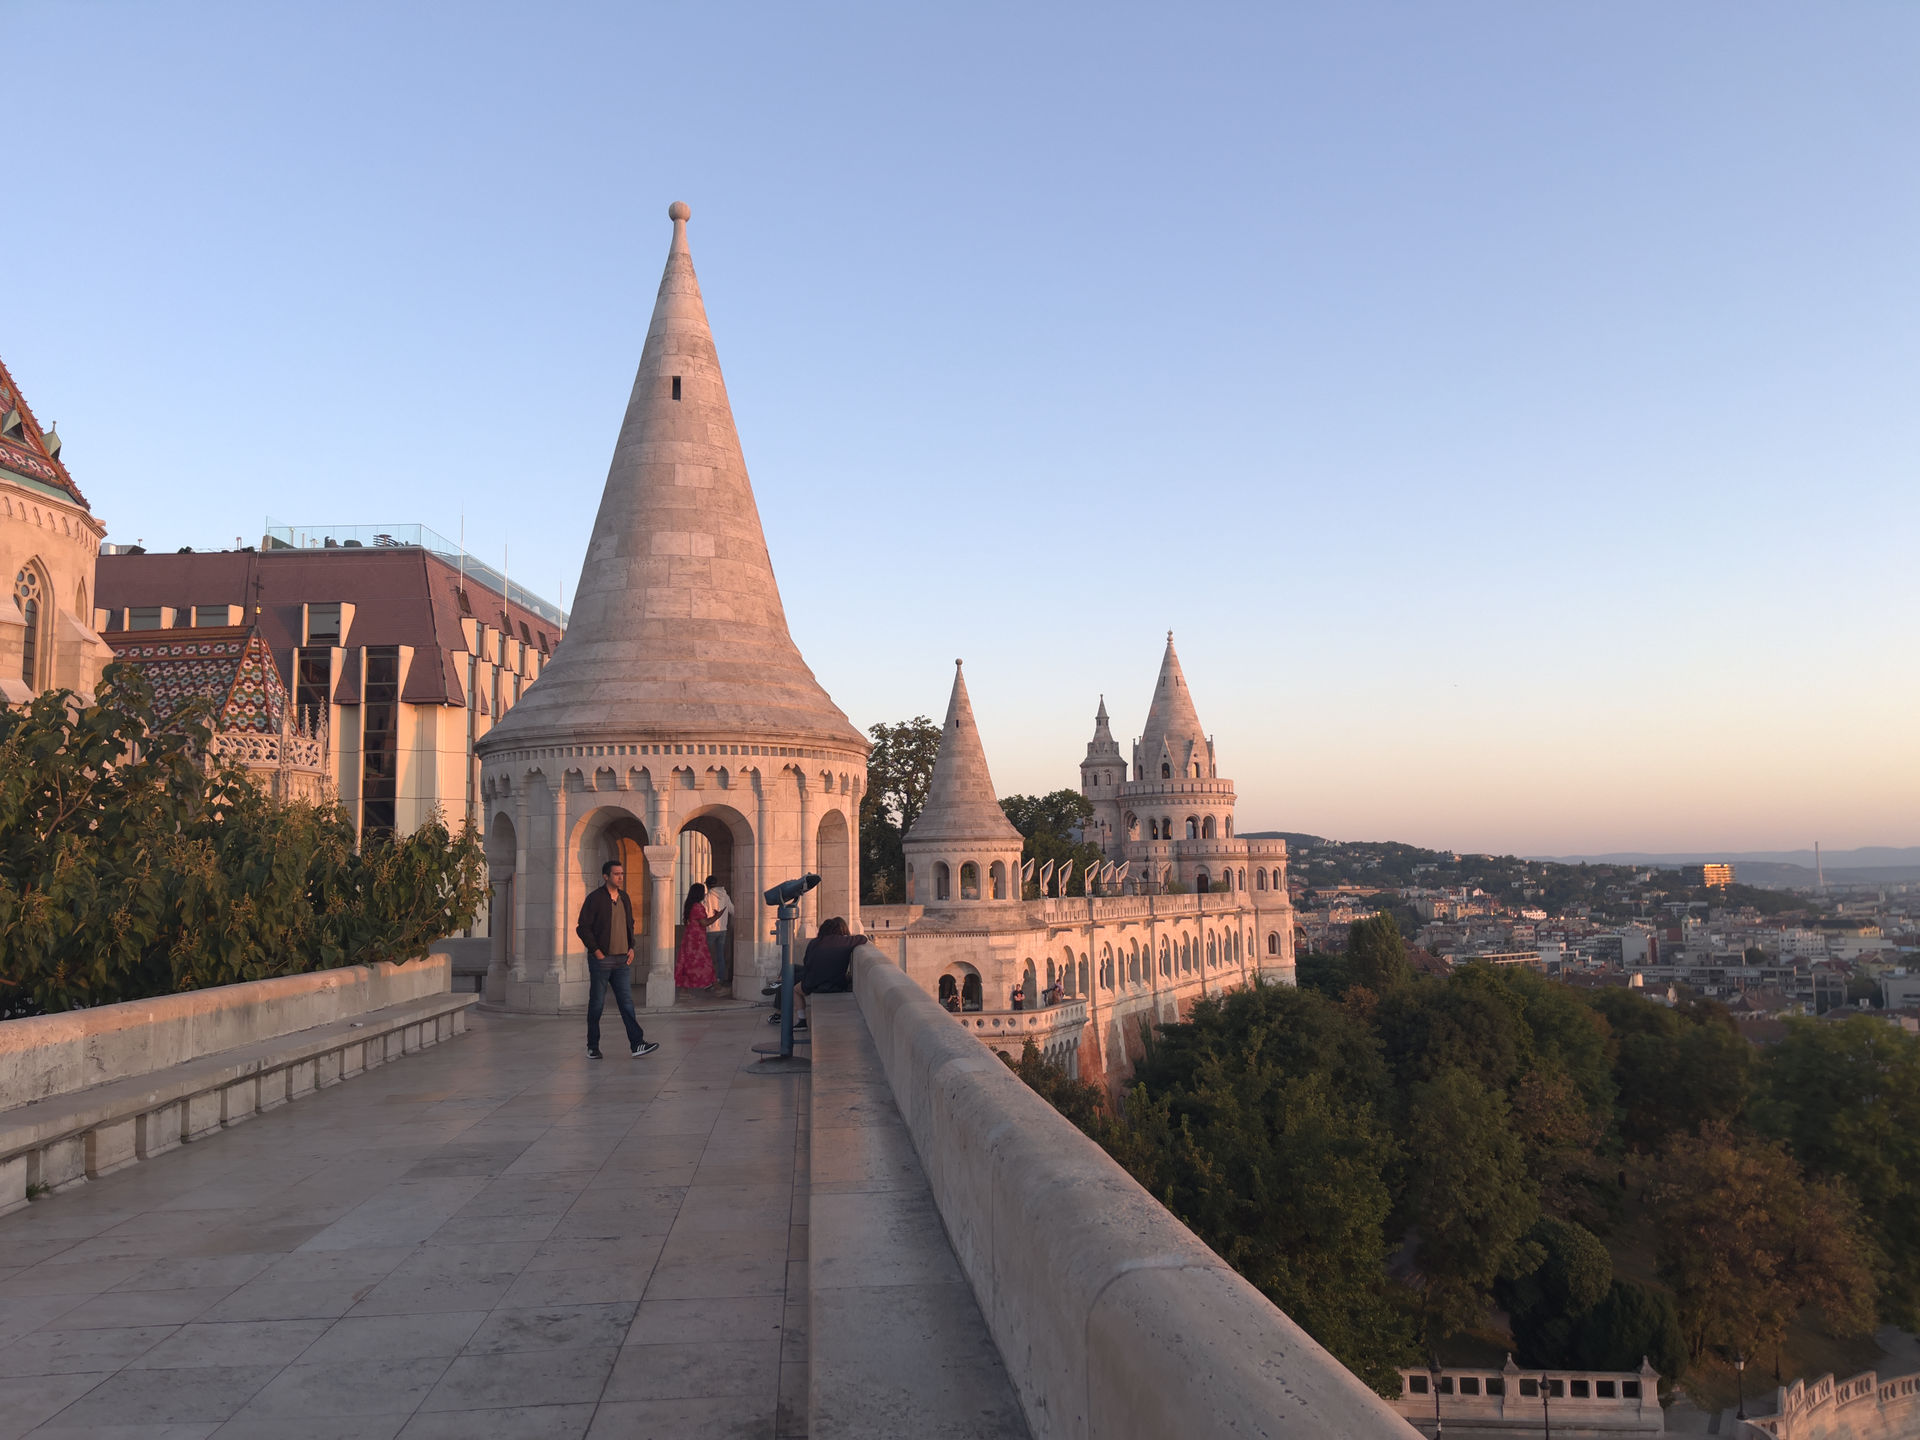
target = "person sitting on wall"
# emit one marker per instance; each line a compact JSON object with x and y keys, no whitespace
{"x":826,"y":967}
{"x":1053,"y":994}
{"x":952,"y":1002}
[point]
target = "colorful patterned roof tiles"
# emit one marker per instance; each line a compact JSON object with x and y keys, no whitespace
{"x":229,"y":665}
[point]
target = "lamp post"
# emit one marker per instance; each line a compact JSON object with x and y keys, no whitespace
{"x":1740,"y":1374}
{"x":1433,"y":1370}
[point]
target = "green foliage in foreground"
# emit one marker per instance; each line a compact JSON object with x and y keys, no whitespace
{"x":1392,"y":1157}
{"x":129,"y":869}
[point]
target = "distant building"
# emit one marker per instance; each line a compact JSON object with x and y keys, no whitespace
{"x":389,"y":645}
{"x":48,"y":541}
{"x":1714,"y":877}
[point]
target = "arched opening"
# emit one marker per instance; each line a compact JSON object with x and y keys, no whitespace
{"x":1201,"y":882}
{"x":1213,"y":950}
{"x":716,"y":841}
{"x":1273,"y":942}
{"x":968,"y":980}
{"x":1206,"y":828}
{"x":942,"y":881}
{"x":503,"y":854}
{"x":1193,"y":828}
{"x":1196,"y":770}
{"x":1240,"y":880}
{"x":1133,"y":968}
{"x":1166,"y":771}
{"x":1083,"y":978}
{"x":949,"y":993}
{"x":30,"y":594}
{"x":997,"y":878}
{"x":1166,"y":958}
{"x":969,"y":881}
{"x":1229,"y":827}
{"x":1259,"y":879}
{"x":913,"y":887}
{"x":612,"y":834}
{"x":833,"y":855}
{"x":1030,"y":985}
{"x":1132,"y":826}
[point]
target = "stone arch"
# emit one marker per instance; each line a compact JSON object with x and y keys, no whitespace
{"x":965,"y":982}
{"x":1213,"y":949}
{"x":1193,"y":827}
{"x":1030,"y":986}
{"x":1130,"y":825}
{"x":1133,"y":968}
{"x":1201,"y":882}
{"x":997,"y":879}
{"x":913,"y":893}
{"x":1166,"y":770}
{"x":1166,"y":957}
{"x":1260,"y":879}
{"x":1206,"y":828}
{"x":1083,"y":977}
{"x":1229,"y":827}
{"x":969,"y":880}
{"x":833,"y":855}
{"x":503,"y":858}
{"x":1241,"y":877}
{"x":942,"y":880}
{"x":1273,"y":942}
{"x":33,"y":596}
{"x":611,"y":831}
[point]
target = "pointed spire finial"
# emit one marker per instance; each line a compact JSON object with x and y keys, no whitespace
{"x":679,"y":212}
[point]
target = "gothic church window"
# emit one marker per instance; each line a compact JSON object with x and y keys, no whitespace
{"x":29,"y":594}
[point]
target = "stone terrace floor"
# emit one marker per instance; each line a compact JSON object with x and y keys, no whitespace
{"x":493,"y":1237}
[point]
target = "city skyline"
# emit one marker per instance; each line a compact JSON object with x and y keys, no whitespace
{"x":1503,"y":415}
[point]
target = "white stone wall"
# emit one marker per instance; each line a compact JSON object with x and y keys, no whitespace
{"x":555,"y":814}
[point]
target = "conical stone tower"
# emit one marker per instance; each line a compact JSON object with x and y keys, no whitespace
{"x":962,"y":848}
{"x":677,"y":703}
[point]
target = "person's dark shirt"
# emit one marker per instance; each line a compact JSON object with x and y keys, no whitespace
{"x":828,"y":964}
{"x":595,"y":925}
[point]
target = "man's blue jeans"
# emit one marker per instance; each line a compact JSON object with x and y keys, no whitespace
{"x":620,"y":977}
{"x":717,"y":943}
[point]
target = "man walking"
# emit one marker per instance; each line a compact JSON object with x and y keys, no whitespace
{"x":605,"y":927}
{"x":719,"y":918}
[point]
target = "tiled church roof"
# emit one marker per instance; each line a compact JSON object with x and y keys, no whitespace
{"x":24,"y":450}
{"x":228,"y":664}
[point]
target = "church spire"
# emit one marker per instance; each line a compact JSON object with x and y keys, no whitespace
{"x":961,"y":802}
{"x":677,"y":626}
{"x":1173,"y":736}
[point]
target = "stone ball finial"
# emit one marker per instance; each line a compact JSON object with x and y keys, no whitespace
{"x":679,"y":210}
{"x":957,"y":664}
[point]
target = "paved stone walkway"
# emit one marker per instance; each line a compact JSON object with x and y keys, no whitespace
{"x":495,"y":1237}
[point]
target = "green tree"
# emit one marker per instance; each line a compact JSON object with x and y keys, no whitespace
{"x":1845,"y":1096}
{"x":1047,"y":824}
{"x":129,"y":869}
{"x":1547,"y":1304}
{"x":1633,"y":1322}
{"x":1746,"y":1241}
{"x":899,"y":769}
{"x":1674,"y":1069}
{"x":1376,"y":955}
{"x":1467,"y":1197}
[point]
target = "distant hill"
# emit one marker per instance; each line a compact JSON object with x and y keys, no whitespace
{"x":1868,"y":865}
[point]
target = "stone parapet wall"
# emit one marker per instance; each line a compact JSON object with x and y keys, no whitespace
{"x":48,"y":1055}
{"x":1112,"y":1318}
{"x":1867,"y":1407}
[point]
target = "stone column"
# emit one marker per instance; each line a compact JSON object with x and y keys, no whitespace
{"x":808,"y":921}
{"x":660,"y":861}
{"x":562,"y":920}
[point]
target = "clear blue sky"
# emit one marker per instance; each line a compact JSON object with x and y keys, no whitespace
{"x":1513,"y":409}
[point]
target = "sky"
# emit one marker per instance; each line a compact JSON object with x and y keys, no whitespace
{"x":1511,"y":409}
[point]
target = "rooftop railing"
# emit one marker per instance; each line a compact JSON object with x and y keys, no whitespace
{"x":386,"y":537}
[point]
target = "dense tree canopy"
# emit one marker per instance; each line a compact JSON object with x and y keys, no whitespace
{"x":899,"y":769}
{"x":1047,"y":824}
{"x":128,"y":868}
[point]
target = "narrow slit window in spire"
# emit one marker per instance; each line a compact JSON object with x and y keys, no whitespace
{"x":676,"y":387}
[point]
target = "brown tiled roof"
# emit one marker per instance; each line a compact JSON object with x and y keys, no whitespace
{"x":402,"y":595}
{"x":27,"y":453}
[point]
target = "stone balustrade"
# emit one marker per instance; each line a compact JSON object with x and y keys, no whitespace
{"x":86,"y":1092}
{"x":1866,"y":1407}
{"x":1110,"y":1315}
{"x":1482,"y":1401}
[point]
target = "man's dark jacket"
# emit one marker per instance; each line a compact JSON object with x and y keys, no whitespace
{"x":595,"y":926}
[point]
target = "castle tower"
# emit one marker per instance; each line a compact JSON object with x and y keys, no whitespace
{"x":962,"y":848}
{"x":677,"y":706}
{"x":1102,"y":774}
{"x":1176,"y":812}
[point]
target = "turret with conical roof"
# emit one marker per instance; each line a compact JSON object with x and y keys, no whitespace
{"x":677,"y":625}
{"x":676,"y":729}
{"x":1102,"y":774}
{"x":1173,"y":746}
{"x":962,"y":846}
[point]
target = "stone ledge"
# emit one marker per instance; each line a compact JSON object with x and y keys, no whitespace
{"x":897,"y":1344}
{"x":1116,"y":1320}
{"x":63,"y":1139}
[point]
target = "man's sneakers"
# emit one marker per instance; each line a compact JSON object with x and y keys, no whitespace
{"x":645,"y":1047}
{"x":799,"y":1024}
{"x":595,"y":1055}
{"x":769,"y":989}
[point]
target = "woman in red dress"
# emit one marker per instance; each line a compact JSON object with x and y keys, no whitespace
{"x":693,"y":964}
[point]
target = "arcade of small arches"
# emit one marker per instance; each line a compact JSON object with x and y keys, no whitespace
{"x":949,"y":880}
{"x":1199,"y":827}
